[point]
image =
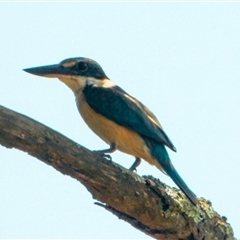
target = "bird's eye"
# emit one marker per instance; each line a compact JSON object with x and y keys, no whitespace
{"x":82,"y":66}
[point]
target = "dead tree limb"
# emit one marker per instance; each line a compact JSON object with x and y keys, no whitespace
{"x":144,"y":202}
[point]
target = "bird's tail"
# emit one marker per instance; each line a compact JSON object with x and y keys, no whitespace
{"x":173,"y":174}
{"x":160,"y":154}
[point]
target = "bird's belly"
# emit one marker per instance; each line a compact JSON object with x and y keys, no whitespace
{"x":126,"y":140}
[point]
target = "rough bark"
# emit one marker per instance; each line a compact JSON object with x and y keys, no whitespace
{"x":144,"y":202}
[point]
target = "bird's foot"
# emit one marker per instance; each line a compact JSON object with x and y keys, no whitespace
{"x":133,"y":169}
{"x":104,"y":155}
{"x":135,"y":164}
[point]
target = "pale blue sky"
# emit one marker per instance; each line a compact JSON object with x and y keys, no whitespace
{"x":180,"y":59}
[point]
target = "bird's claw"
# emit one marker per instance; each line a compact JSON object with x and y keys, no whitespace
{"x":133,"y":169}
{"x":107,"y":156}
{"x":104,"y":155}
{"x":134,"y":166}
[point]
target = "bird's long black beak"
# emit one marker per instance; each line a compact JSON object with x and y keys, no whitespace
{"x":52,"y":71}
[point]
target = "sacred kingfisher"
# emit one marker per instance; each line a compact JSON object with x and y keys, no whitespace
{"x":119,"y":119}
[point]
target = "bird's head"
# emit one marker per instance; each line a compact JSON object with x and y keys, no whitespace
{"x":74,"y":72}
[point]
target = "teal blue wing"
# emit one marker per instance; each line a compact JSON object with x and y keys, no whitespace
{"x":116,"y":105}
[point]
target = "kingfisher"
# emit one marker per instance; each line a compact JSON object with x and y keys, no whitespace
{"x":119,"y":119}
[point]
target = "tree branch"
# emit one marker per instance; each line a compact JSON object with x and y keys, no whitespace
{"x":144,"y":202}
